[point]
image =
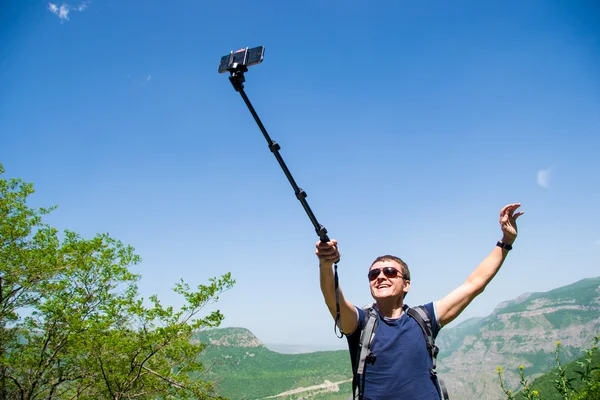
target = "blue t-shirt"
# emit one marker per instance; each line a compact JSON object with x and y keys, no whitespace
{"x":402,"y":362}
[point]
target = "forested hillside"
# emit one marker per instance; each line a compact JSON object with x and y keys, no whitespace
{"x":243,"y":368}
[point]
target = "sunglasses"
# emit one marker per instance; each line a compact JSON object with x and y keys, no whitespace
{"x":389,"y":272}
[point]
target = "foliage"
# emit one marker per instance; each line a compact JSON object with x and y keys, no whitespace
{"x":72,"y":323}
{"x":577,"y":380}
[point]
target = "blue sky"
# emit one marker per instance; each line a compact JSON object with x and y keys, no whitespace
{"x":409,"y":125}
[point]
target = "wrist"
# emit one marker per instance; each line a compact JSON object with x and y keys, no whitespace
{"x":508,"y":240}
{"x":504,"y":245}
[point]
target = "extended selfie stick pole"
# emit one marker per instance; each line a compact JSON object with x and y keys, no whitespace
{"x":237,"y":80}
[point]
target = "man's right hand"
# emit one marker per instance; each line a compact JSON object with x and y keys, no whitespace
{"x":327,"y":252}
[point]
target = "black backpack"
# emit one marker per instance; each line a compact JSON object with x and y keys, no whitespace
{"x":421,"y":316}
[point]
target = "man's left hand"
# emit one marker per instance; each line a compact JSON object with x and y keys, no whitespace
{"x":508,"y":222}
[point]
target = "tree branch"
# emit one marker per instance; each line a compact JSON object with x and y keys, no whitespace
{"x":105,"y":378}
{"x":21,"y":390}
{"x":172,"y":382}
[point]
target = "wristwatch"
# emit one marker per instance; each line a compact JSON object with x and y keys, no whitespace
{"x":504,"y":245}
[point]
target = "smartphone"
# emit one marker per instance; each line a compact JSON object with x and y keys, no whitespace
{"x":243,"y":57}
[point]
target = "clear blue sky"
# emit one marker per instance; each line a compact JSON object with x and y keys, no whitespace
{"x":409,"y":124}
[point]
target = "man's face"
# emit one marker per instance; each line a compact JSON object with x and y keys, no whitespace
{"x":389,"y":283}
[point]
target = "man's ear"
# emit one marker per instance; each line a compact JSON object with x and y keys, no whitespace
{"x":406,"y":286}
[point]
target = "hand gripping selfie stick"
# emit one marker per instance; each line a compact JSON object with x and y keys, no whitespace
{"x":237,"y":63}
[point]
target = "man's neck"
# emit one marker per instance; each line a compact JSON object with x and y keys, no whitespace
{"x":390,"y":308}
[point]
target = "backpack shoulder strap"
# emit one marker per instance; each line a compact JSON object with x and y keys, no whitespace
{"x":421,"y":316}
{"x":369,"y":326}
{"x":366,"y":338}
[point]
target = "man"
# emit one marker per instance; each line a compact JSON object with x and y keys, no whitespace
{"x":401,"y":368}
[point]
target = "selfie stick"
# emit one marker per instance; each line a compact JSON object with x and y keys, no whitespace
{"x":237,"y":79}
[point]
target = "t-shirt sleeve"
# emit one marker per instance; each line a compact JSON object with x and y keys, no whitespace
{"x":435,"y":323}
{"x":354,"y":337}
{"x":361,"y":318}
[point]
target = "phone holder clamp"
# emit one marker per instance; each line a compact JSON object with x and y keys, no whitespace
{"x":237,"y":77}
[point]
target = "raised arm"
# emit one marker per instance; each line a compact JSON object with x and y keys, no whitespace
{"x":454,"y":303}
{"x":327,"y":254}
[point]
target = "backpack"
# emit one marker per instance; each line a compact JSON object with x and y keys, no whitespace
{"x":421,"y":316}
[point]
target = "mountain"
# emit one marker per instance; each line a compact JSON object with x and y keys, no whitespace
{"x":523,"y":331}
{"x":243,"y":368}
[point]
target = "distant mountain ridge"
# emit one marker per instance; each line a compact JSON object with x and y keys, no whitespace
{"x":300,"y":349}
{"x":522,"y":331}
{"x":242,"y":337}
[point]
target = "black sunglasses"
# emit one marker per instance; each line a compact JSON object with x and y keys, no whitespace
{"x":389,"y":272}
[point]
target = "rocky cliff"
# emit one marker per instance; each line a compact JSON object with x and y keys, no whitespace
{"x":229,"y":337}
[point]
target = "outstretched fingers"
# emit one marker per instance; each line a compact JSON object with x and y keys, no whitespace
{"x":508,"y":211}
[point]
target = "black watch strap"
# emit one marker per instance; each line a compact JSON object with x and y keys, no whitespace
{"x":504,"y":245}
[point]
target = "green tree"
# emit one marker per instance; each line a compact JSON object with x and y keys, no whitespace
{"x":72,"y":322}
{"x":27,"y":257}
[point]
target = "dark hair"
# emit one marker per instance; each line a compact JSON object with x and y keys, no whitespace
{"x":405,"y":271}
